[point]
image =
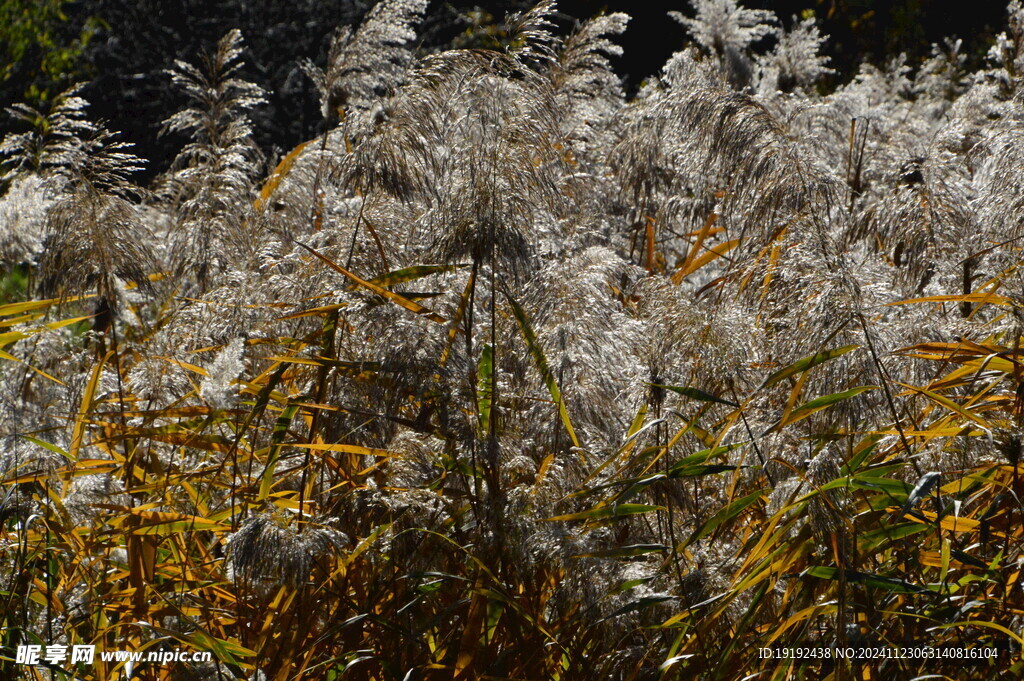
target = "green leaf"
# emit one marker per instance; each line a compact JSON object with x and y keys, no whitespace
{"x":606,"y":512}
{"x":689,"y":467}
{"x":627,"y":551}
{"x":804,"y":364}
{"x":694,"y":393}
{"x":410,"y":305}
{"x":366,"y":543}
{"x":46,"y":445}
{"x":867,"y":579}
{"x":876,"y":539}
{"x":723,"y":516}
{"x":411,"y":274}
{"x":897,"y":490}
{"x":638,"y":421}
{"x":639,"y":604}
{"x":629,"y":584}
{"x":435,"y":575}
{"x":485,"y":388}
{"x":636,"y":485}
{"x":542,"y":365}
{"x":694,"y":465}
{"x":227,"y":652}
{"x":858,"y":459}
{"x":281,"y":426}
{"x":818,"y":404}
{"x":966,"y":559}
{"x":706,"y":469}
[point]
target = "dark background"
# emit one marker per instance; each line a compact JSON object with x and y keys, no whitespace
{"x":123,"y":47}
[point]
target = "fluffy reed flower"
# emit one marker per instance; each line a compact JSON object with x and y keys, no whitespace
{"x":271,"y":550}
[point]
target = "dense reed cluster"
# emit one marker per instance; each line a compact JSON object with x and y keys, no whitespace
{"x":508,"y":375}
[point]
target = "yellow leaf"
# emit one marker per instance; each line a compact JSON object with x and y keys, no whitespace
{"x":161,"y":522}
{"x":948,"y":403}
